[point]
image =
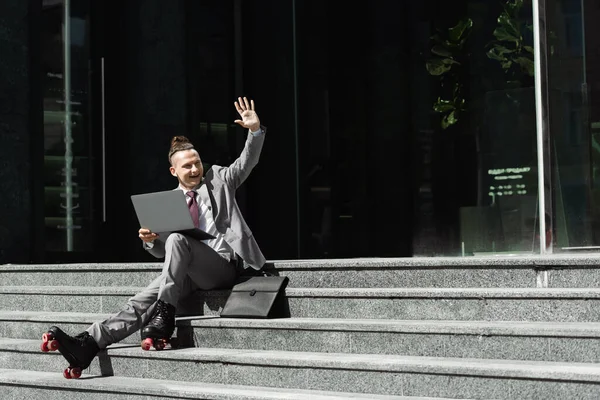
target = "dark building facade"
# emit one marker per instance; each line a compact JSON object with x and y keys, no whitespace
{"x":396,"y":129}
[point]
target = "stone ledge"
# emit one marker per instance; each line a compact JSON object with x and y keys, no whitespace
{"x":499,"y":261}
{"x":465,"y":367}
{"x":485,"y":328}
{"x":167,"y":388}
{"x":82,"y":267}
{"x":496,"y":328}
{"x":369,"y":293}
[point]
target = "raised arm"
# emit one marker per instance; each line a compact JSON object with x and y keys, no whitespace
{"x":240,"y":169}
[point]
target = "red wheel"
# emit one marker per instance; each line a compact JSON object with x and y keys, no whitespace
{"x":44,"y":347}
{"x":46,"y":337}
{"x":53,"y":345}
{"x":67,"y":373}
{"x":146,"y":344}
{"x":75,"y":372}
{"x":159,"y":344}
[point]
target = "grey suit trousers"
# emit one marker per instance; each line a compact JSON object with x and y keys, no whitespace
{"x":189,"y":265}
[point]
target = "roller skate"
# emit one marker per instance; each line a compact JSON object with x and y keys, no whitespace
{"x":157,"y":333}
{"x":79,"y":351}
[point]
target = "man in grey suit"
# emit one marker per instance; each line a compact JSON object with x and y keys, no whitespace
{"x":189,"y":264}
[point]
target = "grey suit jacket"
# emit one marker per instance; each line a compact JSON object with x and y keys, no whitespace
{"x":221,"y":184}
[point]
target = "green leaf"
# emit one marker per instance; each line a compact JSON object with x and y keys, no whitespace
{"x":441,"y":51}
{"x":503,"y":49}
{"x":514,"y":7}
{"x":462,"y":29}
{"x":510,"y":25}
{"x":449,"y":61}
{"x":444,"y":123}
{"x":498,"y":52}
{"x":526,"y":64}
{"x":504,"y":36}
{"x":442,"y":106}
{"x":529,"y":49}
{"x":449,"y":120}
{"x":452,"y":46}
{"x":437,"y":67}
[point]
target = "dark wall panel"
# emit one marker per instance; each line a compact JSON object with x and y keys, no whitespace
{"x":15,"y":160}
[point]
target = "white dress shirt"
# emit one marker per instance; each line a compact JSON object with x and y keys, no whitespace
{"x":207,"y":224}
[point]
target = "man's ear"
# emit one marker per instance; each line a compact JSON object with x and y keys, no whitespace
{"x":172,"y":171}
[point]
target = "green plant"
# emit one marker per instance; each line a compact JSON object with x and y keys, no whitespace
{"x":510,"y":48}
{"x":448,"y":52}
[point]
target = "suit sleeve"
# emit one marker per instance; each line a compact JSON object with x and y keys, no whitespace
{"x":240,"y":169}
{"x":157,"y":249}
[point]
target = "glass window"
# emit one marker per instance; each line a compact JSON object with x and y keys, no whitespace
{"x":417,"y":128}
{"x":574,"y":84}
{"x":67,"y":161}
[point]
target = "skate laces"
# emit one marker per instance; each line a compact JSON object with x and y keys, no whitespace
{"x":162,"y":314}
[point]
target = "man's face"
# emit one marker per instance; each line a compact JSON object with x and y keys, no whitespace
{"x":187,"y":167}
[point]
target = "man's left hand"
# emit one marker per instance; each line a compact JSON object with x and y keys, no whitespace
{"x":249,"y":117}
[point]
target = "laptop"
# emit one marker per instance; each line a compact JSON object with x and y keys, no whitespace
{"x":166,"y":212}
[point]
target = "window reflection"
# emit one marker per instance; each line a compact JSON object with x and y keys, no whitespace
{"x":573,"y":85}
{"x":418,"y":133}
{"x":66,"y":173}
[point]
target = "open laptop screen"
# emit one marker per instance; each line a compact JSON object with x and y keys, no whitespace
{"x":166,"y":212}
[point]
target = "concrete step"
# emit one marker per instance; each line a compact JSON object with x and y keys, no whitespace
{"x":473,"y":304}
{"x":109,"y":274}
{"x":557,"y":270}
{"x":321,"y":274}
{"x":20,"y":384}
{"x":549,"y":341}
{"x":541,"y":341}
{"x":562,"y":271}
{"x":361,"y":373}
{"x":32,"y":324}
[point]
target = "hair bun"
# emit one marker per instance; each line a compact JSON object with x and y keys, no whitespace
{"x":179,"y":143}
{"x":179,"y":140}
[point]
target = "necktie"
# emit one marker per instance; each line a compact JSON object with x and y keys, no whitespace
{"x":193,"y":206}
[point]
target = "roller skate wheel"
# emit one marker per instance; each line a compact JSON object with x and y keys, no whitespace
{"x":44,"y":347}
{"x":67,"y":373}
{"x":53,"y":345}
{"x":75,"y":372}
{"x":146,"y":344}
{"x":46,"y":337}
{"x":159,"y":344}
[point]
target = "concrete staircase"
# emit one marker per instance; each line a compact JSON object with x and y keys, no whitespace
{"x":415,"y":328}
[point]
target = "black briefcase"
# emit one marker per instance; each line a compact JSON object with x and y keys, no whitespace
{"x":257,"y":297}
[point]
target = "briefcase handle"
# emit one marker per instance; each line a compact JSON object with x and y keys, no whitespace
{"x":267,"y":269}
